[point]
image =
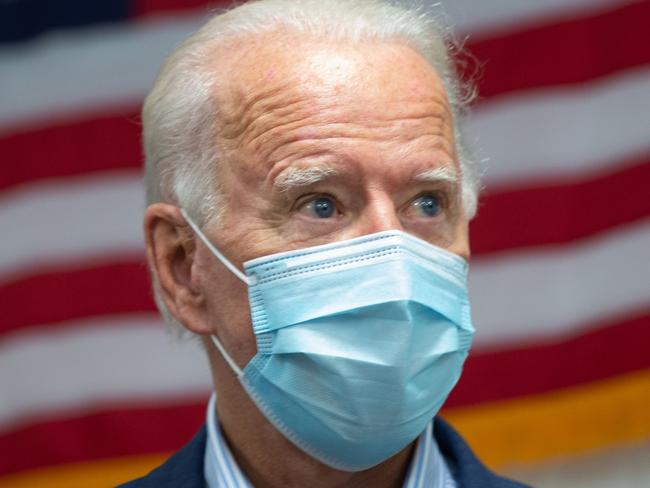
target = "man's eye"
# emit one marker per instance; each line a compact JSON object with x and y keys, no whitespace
{"x":428,"y":205}
{"x":321,"y":207}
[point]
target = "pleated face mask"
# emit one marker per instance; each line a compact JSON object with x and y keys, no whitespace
{"x":359,"y":342}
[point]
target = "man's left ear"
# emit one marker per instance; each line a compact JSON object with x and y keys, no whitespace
{"x":170,"y":247}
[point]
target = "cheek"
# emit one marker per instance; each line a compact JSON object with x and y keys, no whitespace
{"x":460,"y":244}
{"x":227,"y":308}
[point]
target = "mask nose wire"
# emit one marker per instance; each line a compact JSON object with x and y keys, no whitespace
{"x":224,"y":260}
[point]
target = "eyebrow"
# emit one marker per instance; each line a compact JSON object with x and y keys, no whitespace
{"x":445,"y":173}
{"x":291,"y":178}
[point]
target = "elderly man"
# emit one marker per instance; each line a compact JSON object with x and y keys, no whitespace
{"x":309,"y":199}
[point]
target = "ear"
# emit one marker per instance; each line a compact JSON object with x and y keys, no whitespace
{"x":170,"y":247}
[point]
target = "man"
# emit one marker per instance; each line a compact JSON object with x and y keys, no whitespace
{"x":309,"y":200}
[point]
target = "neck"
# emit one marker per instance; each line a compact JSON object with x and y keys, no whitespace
{"x":269,"y":460}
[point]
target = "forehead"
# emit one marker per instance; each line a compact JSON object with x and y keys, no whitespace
{"x":339,"y":71}
{"x":283,"y":89}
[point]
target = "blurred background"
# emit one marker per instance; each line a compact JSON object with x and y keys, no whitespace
{"x":556,"y":392}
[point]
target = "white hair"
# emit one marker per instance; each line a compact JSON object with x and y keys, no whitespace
{"x":180,"y":113}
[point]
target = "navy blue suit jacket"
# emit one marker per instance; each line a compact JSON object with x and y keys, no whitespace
{"x":185,"y":468}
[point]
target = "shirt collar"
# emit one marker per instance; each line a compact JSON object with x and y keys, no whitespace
{"x":427,"y":469}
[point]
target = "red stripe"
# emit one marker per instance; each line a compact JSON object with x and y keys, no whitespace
{"x":120,"y":432}
{"x":581,"y":49}
{"x":567,"y":52}
{"x":148,"y":7}
{"x":101,"y":143}
{"x":58,"y":296}
{"x":554,"y":214}
{"x":507,"y":220}
{"x":606,"y":351}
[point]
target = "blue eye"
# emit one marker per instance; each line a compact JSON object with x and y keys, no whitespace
{"x":322,"y":207}
{"x":428,"y":205}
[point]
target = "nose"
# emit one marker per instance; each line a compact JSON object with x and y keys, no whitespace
{"x":379,"y":214}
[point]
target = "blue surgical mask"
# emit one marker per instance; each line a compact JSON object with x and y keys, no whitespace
{"x":359,"y":342}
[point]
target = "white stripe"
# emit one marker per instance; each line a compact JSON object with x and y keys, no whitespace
{"x":424,"y":469}
{"x":100,"y":67}
{"x":223,"y":468}
{"x":76,"y":220}
{"x":556,"y":134}
{"x":544,"y":294}
{"x":100,"y":217}
{"x":564,"y":133}
{"x":410,"y":476}
{"x":481,"y":16}
{"x":86,"y":69}
{"x":221,"y":460}
{"x":522,"y":295}
{"x":96,"y":363}
{"x":213,"y":476}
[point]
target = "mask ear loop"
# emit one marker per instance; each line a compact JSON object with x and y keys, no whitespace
{"x":248,"y":280}
{"x":224,"y":260}
{"x":226,"y":356}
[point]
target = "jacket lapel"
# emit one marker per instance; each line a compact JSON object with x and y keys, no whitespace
{"x":467,"y":470}
{"x":184,"y":468}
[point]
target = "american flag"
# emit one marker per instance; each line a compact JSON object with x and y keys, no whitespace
{"x":94,"y":391}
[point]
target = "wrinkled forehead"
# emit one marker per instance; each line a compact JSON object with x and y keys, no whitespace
{"x":276,"y":69}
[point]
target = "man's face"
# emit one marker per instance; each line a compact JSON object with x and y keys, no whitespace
{"x":325,"y":143}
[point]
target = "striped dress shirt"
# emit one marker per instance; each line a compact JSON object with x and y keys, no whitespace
{"x":428,"y":468}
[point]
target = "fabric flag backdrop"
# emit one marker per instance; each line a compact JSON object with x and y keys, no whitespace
{"x":93,"y":390}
